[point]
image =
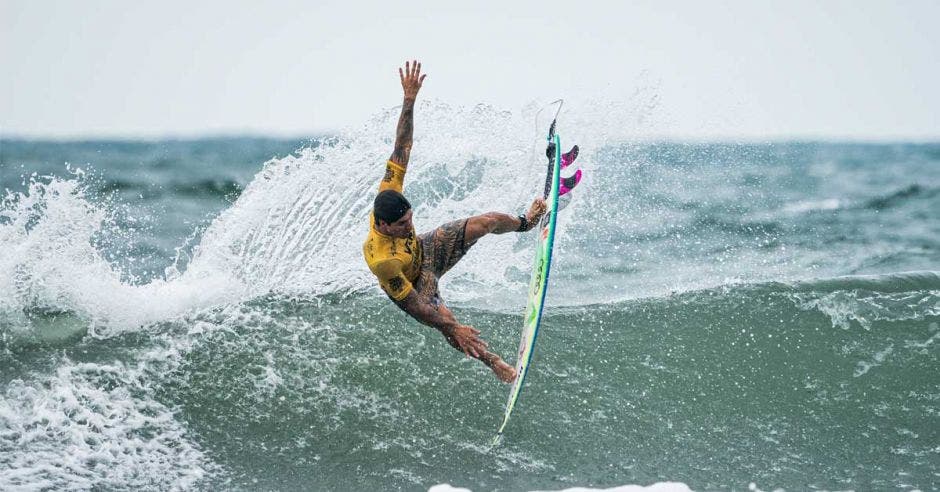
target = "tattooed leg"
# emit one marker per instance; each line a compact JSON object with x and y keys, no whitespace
{"x":500,"y":223}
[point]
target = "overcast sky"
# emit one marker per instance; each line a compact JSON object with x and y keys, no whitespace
{"x":765,"y":70}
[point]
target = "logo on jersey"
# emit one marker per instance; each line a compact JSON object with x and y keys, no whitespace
{"x":396,"y":284}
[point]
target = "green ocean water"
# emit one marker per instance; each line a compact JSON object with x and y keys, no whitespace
{"x":195,"y":314}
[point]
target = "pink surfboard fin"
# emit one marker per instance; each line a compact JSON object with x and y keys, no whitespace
{"x":568,"y":157}
{"x":568,"y":184}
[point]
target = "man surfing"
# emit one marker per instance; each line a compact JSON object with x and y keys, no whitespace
{"x":408,"y":266}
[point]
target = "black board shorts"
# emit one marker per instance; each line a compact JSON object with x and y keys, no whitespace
{"x":441,"y":249}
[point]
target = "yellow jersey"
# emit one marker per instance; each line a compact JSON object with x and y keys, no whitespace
{"x":396,"y":262}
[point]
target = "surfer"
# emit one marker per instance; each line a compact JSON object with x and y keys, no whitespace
{"x":407,"y":265}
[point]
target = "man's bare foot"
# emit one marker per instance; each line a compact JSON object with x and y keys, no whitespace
{"x":505,"y":372}
{"x":536,"y":211}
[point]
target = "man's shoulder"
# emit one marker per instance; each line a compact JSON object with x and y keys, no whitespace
{"x":373,"y":246}
{"x":376,"y":247}
{"x":376,"y":238}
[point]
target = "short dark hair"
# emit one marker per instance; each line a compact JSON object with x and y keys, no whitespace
{"x":390,"y":206}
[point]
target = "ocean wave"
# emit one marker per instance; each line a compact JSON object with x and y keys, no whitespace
{"x":901,"y":196}
{"x":682,"y":318}
{"x":741,"y":228}
{"x":886,"y":283}
{"x":656,"y":487}
{"x":322,"y":377}
{"x":207,"y":188}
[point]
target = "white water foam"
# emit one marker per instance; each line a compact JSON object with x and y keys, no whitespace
{"x":50,"y":262}
{"x":90,"y":426}
{"x":804,"y":206}
{"x":864,"y":307}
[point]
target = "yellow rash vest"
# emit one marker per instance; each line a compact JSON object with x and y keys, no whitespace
{"x":395,"y":261}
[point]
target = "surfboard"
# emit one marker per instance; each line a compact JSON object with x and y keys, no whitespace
{"x":538,"y":283}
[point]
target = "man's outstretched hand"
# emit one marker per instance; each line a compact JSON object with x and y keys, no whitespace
{"x":411,"y":79}
{"x":467,"y":339}
{"x":536,"y":211}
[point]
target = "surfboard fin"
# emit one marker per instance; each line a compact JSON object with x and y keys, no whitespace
{"x":568,"y":184}
{"x":568,"y":157}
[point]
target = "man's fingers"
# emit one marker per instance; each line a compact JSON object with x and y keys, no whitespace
{"x":474,"y":347}
{"x":471,"y":351}
{"x":411,"y":75}
{"x":470,"y":343}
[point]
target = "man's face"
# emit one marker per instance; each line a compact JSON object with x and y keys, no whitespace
{"x":401,"y":228}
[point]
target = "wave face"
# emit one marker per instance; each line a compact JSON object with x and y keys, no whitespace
{"x":196,"y":314}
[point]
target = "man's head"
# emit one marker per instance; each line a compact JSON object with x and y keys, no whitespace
{"x":392,"y":214}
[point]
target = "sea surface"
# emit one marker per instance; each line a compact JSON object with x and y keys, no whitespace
{"x":196,"y":314}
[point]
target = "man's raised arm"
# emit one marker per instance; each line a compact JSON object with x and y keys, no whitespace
{"x":411,"y":80}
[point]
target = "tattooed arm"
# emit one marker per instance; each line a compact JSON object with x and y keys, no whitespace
{"x":411,"y":80}
{"x":432,"y":312}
